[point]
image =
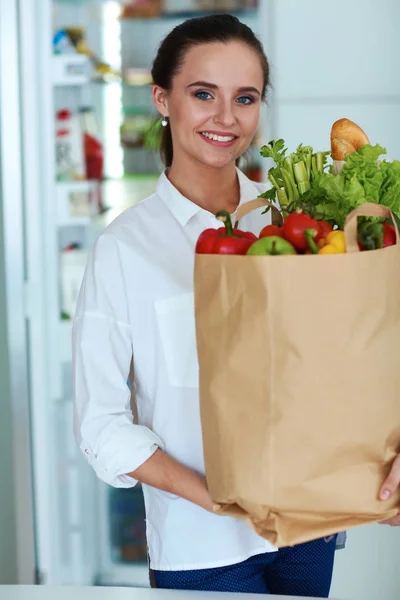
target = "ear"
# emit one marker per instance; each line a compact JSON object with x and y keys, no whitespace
{"x":160,"y":99}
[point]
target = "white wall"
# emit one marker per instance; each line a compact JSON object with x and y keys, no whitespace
{"x":368,"y":569}
{"x":332,"y":60}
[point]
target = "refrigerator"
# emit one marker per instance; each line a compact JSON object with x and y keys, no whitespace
{"x":72,"y":529}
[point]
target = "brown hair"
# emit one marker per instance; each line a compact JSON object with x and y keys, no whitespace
{"x":193,"y":32}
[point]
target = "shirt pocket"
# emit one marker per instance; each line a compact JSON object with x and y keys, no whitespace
{"x":176,"y":324}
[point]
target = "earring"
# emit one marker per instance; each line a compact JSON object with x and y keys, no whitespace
{"x":164,"y":122}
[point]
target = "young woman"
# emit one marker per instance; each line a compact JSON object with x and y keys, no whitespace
{"x":136,"y":309}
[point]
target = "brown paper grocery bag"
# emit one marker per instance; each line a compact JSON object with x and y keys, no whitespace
{"x":300,"y":385}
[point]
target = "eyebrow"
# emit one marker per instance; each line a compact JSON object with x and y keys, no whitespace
{"x":212,"y":86}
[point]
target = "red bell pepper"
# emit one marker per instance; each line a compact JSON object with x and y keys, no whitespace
{"x":234,"y":241}
{"x":208,"y":238}
{"x":224,"y":240}
{"x":206,"y":241}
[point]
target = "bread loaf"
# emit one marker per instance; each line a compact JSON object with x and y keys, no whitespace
{"x":346,"y":138}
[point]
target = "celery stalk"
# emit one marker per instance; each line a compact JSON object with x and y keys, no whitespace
{"x":308,"y":165}
{"x":290,"y":185}
{"x":273,"y":181}
{"x":300,"y":172}
{"x":288,"y":165}
{"x":314,"y":164}
{"x":282,"y":199}
{"x":320,"y":162}
{"x":303,"y":186}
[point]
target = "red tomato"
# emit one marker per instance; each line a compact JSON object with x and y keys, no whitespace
{"x":323,"y":229}
{"x":294,"y":227}
{"x":269,"y":230}
{"x":389,"y":235}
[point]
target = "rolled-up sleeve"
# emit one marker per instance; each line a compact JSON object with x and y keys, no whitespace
{"x":102,"y":351}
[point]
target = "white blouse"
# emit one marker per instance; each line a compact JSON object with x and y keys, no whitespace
{"x":137,"y":299}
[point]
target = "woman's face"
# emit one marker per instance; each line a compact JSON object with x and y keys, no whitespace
{"x":214,"y":103}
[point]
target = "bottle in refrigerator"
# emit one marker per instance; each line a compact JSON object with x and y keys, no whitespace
{"x":93,"y":151}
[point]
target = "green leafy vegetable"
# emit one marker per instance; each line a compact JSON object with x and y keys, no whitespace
{"x":304,"y":180}
{"x":294,"y":173}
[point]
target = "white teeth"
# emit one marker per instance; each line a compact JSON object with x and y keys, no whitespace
{"x":218,"y":138}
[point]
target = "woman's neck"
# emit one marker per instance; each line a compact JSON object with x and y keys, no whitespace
{"x":210,"y":188}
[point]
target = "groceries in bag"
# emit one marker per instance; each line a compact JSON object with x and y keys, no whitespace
{"x":298,"y":359}
{"x":314,"y":198}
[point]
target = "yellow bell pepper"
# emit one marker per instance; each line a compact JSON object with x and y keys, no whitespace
{"x":335,"y":243}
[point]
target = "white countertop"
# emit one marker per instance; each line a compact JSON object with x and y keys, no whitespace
{"x":21,"y":592}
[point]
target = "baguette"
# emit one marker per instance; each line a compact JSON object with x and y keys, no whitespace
{"x":346,"y":138}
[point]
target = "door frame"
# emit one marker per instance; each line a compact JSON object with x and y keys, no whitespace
{"x":11,"y":168}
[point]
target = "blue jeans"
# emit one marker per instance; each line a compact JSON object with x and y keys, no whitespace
{"x":302,"y":570}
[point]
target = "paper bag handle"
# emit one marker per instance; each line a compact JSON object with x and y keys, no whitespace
{"x":369,"y":209}
{"x":248,"y":207}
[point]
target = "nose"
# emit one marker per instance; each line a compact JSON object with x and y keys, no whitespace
{"x":224,"y":114}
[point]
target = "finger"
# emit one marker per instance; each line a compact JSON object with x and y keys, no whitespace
{"x":392,"y":482}
{"x":394,"y":522}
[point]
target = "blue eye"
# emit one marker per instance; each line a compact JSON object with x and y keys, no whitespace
{"x":245,"y":100}
{"x":203,"y":95}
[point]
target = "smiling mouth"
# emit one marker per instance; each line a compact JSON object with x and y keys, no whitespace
{"x":218,"y":138}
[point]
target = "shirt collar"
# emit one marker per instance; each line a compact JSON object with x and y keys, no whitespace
{"x":184,"y":209}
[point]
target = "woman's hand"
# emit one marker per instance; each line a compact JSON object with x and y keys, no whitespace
{"x":389,"y":488}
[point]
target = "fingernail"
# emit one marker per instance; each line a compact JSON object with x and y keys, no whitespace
{"x":385,"y":495}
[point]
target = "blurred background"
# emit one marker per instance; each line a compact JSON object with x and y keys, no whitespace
{"x":78,"y":145}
